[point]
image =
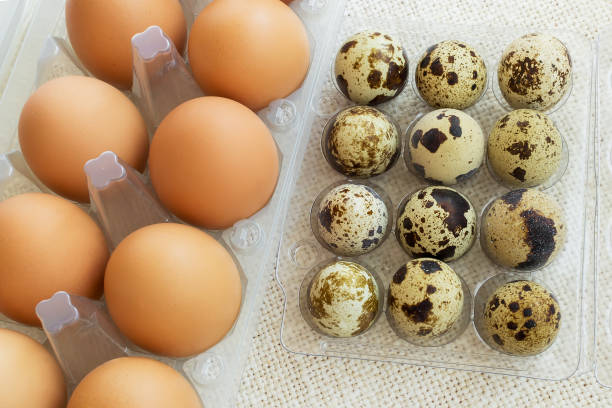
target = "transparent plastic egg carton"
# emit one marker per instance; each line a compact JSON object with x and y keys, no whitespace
{"x":300,"y":251}
{"x":603,"y":238}
{"x":45,"y":53}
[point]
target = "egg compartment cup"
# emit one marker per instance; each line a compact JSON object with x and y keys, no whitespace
{"x":314,"y":212}
{"x":565,"y":277}
{"x":163,"y":80}
{"x":307,"y":283}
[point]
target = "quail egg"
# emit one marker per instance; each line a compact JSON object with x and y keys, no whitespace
{"x":523,"y":229}
{"x":343,"y":299}
{"x":436,"y":222}
{"x":524,"y":148}
{"x":425,"y":299}
{"x":352,"y":219}
{"x":371,"y":67}
{"x":361,"y":142}
{"x":446,"y":146}
{"x":534,"y":72}
{"x":521,"y":318}
{"x":451,"y":74}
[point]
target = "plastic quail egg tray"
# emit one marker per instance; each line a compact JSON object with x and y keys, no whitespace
{"x":300,"y":251}
{"x":42,"y":52}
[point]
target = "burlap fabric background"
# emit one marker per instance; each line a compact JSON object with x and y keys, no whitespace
{"x":274,"y":377}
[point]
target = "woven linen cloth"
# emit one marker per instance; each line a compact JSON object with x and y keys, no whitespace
{"x":277,"y":378}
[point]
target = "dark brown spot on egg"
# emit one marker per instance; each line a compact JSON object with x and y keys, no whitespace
{"x":424,"y":331}
{"x":432,"y":139}
{"x":521,"y":149}
{"x":472,"y":53}
{"x":466,"y":176}
{"x":325,"y":218}
{"x":524,"y":74}
{"x":519,"y":174}
{"x":494,"y":303}
{"x":407,"y":223}
{"x":367,"y":243}
{"x":513,"y":198}
{"x":446,"y":253}
{"x":473,"y":87}
{"x":512,"y":326}
{"x":503,"y":121}
{"x":347,"y":46}
{"x":374,"y":79}
{"x":452,"y":78}
{"x":425,"y":62}
{"x":378,"y":99}
{"x":497,"y":339}
{"x":527,"y":312}
{"x":411,"y":238}
{"x":551,"y":310}
{"x":396,"y":77}
{"x":520,"y":336}
{"x":455,"y":126}
{"x":429,"y":267}
{"x":526,"y":288}
{"x":400,"y":275}
{"x":540,"y":238}
{"x":461,"y":45}
{"x":514,"y":306}
{"x":523,"y":125}
{"x":431,"y":289}
{"x":455,"y":206}
{"x":474,"y":74}
{"x":429,"y":204}
{"x":416,"y":138}
{"x":436,"y":67}
{"x":530,"y":324}
{"x":419,"y":312}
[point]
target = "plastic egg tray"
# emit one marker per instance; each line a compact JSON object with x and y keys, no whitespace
{"x":564,"y":277}
{"x":79,"y":330}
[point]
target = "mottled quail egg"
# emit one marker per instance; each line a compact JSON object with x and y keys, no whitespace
{"x":523,"y":229}
{"x":352,"y":219}
{"x":521,"y":318}
{"x":524,"y":148}
{"x":343,"y":299}
{"x":425,"y":298}
{"x":436,"y":222}
{"x":371,"y":67}
{"x":446,"y":146}
{"x":451,"y":74}
{"x":361,"y":142}
{"x":534,"y":72}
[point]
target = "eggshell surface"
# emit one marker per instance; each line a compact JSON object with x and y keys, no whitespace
{"x":72,"y":119}
{"x":252,"y":51}
{"x":446,"y":146}
{"x":100,"y":32}
{"x":425,"y":298}
{"x":362,"y":142}
{"x":451,"y":74}
{"x":134,"y":382}
{"x":523,"y":229}
{"x":47,"y":244}
{"x":437,"y":222}
{"x":535,"y":72}
{"x":522,"y":318}
{"x":213,"y":162}
{"x":370,"y":68}
{"x":29,"y":375}
{"x":524,"y":148}
{"x":343,"y":299}
{"x":172,"y":289}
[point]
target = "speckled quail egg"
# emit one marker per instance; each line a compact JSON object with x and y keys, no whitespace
{"x":446,"y":146}
{"x":524,"y":148}
{"x":361,"y":142}
{"x":451,"y":74}
{"x":352,"y":219}
{"x":343,"y":299}
{"x":437,"y":222}
{"x":371,"y":67}
{"x":534,"y":72}
{"x":425,"y":299}
{"x":523,"y":229}
{"x":521,"y":318}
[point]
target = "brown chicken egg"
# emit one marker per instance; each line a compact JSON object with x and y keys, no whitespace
{"x":72,"y":119}
{"x":100,"y":32}
{"x":29,"y":375}
{"x":172,"y":289}
{"x":252,"y":51}
{"x":134,"y":382}
{"x":47,"y":244}
{"x":213,"y":162}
